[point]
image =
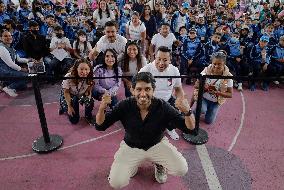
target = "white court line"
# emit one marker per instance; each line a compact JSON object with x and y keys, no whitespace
{"x":26,"y":105}
{"x":210,"y":173}
{"x":208,"y":168}
{"x":63,"y":148}
{"x":241,"y":124}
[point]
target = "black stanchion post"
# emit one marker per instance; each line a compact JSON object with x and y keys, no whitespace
{"x":46,"y":143}
{"x":199,"y":136}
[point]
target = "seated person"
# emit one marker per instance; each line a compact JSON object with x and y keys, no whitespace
{"x":8,"y":66}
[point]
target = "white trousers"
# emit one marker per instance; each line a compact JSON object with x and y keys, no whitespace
{"x":127,"y":160}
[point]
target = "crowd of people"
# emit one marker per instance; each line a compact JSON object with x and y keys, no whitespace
{"x":110,"y":39}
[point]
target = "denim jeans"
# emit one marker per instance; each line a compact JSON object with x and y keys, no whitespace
{"x":210,"y":109}
{"x":6,"y":71}
{"x":75,"y":104}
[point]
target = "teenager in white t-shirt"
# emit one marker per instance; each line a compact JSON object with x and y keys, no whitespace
{"x":136,"y":30}
{"x":163,"y":38}
{"x":103,"y":14}
{"x":165,"y":86}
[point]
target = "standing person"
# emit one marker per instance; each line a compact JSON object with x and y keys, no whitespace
{"x":8,"y":66}
{"x":216,"y":90}
{"x":136,"y":30}
{"x":163,"y":38}
{"x":181,"y":18}
{"x":111,"y":40}
{"x":131,"y":62}
{"x":103,"y":14}
{"x":75,"y":91}
{"x":108,"y":68}
{"x":151,"y":27}
{"x":165,"y":87}
{"x":144,"y":139}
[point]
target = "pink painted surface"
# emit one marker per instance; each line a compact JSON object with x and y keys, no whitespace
{"x":258,"y":150}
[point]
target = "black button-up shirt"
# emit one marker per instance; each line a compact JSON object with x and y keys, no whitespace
{"x":144,"y":134}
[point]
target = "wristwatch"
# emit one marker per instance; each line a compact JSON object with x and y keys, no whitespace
{"x":188,"y":113}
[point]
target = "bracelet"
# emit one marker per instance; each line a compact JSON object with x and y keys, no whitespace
{"x":188,"y":113}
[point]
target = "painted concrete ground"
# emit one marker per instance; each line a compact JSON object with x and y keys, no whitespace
{"x":244,"y":150}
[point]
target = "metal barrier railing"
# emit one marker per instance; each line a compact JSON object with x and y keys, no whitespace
{"x":50,"y":142}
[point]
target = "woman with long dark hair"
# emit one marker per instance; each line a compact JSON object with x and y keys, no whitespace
{"x":75,"y":91}
{"x":131,"y":62}
{"x":103,"y":14}
{"x":81,"y":46}
{"x":109,"y":68}
{"x":151,"y":26}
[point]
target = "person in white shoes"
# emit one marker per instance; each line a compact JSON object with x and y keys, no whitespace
{"x":8,"y":66}
{"x":144,"y":138}
{"x":165,"y":87}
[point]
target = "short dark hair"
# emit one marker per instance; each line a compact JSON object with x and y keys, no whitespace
{"x":110,"y":23}
{"x":144,"y":77}
{"x":164,"y":49}
{"x":33,"y":24}
{"x":165,"y":24}
{"x":58,"y":28}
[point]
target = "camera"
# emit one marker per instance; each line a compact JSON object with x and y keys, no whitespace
{"x":85,"y":100}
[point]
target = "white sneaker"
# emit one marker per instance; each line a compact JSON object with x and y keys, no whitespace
{"x":10,"y":92}
{"x":160,"y":174}
{"x":173,"y":134}
{"x":240,"y":87}
{"x":276,"y":82}
{"x":236,"y":85}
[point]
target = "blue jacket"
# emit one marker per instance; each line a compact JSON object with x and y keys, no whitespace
{"x":207,"y":50}
{"x":278,"y":32}
{"x":201,"y":31}
{"x":191,"y":49}
{"x":23,"y":18}
{"x":255,"y":54}
{"x":122,"y":24}
{"x":175,"y":19}
{"x":3,"y":17}
{"x":277,"y":52}
{"x":233,"y":49}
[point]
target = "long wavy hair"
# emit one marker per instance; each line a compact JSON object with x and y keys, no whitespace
{"x":101,"y":11}
{"x":125,"y":61}
{"x":80,"y":33}
{"x":74,"y":71}
{"x":115,"y":65}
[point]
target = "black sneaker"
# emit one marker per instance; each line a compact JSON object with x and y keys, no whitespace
{"x":91,"y":120}
{"x":60,"y":111}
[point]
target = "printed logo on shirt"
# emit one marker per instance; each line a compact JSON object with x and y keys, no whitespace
{"x":170,"y":82}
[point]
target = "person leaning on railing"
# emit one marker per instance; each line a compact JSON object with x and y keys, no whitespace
{"x":216,"y":91}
